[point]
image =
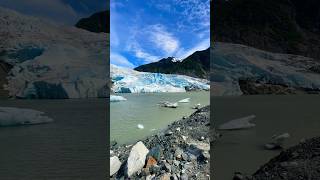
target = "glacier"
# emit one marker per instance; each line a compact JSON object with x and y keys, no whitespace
{"x":51,"y":60}
{"x":10,"y":116}
{"x":233,"y":62}
{"x":126,"y":80}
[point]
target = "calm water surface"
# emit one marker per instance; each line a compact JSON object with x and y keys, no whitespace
{"x":243,"y":150}
{"x":72,"y":147}
{"x":144,"y":109}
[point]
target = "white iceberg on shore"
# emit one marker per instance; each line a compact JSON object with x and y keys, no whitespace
{"x":114,"y":98}
{"x":10,"y":116}
{"x":186,"y":100}
{"x":241,"y":123}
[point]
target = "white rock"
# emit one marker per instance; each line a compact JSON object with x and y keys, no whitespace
{"x":184,"y":137}
{"x":136,"y":158}
{"x":241,"y":123}
{"x":150,"y":177}
{"x":115,"y":165}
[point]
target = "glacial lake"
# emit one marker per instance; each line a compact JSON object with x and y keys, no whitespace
{"x":74,"y":146}
{"x":144,"y":109}
{"x":242,"y":150}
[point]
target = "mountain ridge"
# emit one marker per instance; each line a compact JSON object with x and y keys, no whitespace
{"x":195,"y":65}
{"x":279,"y":26}
{"x":97,"y":22}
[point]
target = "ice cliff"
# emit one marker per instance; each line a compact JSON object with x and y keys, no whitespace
{"x":232,"y":62}
{"x":130,"y":81}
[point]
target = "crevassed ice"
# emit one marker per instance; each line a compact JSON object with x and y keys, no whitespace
{"x":130,"y":81}
{"x":232,"y":62}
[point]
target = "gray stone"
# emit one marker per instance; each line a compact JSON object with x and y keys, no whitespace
{"x":178,"y":153}
{"x":184,"y":156}
{"x":155,"y":169}
{"x":155,"y":153}
{"x":167,"y":167}
{"x":184,"y":176}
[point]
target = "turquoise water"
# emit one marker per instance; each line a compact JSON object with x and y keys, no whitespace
{"x":144,"y":109}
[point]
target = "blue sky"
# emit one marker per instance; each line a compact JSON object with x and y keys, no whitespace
{"x":144,"y":31}
{"x":61,"y":11}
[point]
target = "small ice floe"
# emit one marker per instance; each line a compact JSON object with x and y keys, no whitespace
{"x":140,"y":126}
{"x":186,"y":100}
{"x":153,"y":129}
{"x":10,"y":116}
{"x":168,"y":104}
{"x":197,"y":106}
{"x":241,"y":123}
{"x":114,"y":98}
{"x":277,"y":141}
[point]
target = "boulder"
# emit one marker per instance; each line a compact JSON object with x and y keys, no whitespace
{"x":150,"y":162}
{"x":155,"y":152}
{"x":137,"y":158}
{"x":115,"y":165}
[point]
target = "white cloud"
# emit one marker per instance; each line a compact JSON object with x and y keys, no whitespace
{"x":163,"y":39}
{"x":55,"y":10}
{"x":140,"y":53}
{"x":120,"y":60}
{"x":204,"y":44}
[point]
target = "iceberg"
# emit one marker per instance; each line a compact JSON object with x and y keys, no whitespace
{"x":140,"y":126}
{"x":241,"y":123}
{"x":186,"y":100}
{"x":130,"y":81}
{"x":10,"y":116}
{"x":114,"y":98}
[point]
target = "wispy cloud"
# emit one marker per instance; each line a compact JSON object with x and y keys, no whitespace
{"x":163,"y":39}
{"x":182,"y":53}
{"x":140,"y":53}
{"x":120,"y":60}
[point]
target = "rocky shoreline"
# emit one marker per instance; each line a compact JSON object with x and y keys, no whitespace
{"x":301,"y":161}
{"x":182,"y":151}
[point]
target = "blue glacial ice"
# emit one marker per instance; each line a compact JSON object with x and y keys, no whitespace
{"x":130,"y":81}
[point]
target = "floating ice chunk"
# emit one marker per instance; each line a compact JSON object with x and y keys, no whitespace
{"x":140,"y":126}
{"x":10,"y":116}
{"x":277,"y":141}
{"x":114,"y":98}
{"x":241,"y":123}
{"x":186,"y":100}
{"x":168,"y":104}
